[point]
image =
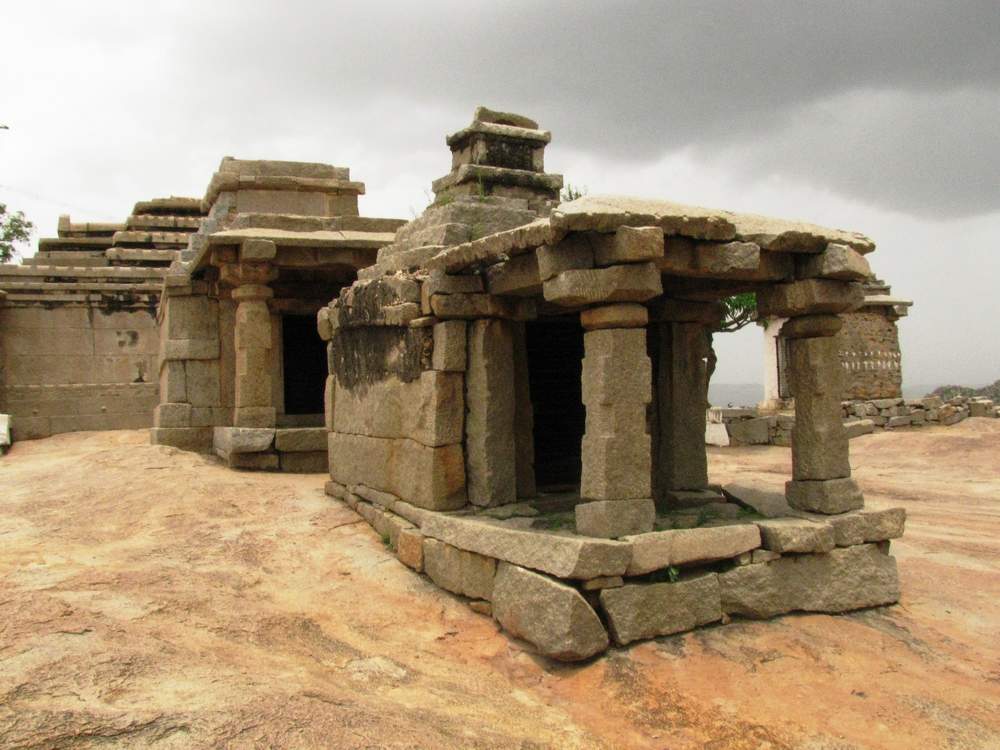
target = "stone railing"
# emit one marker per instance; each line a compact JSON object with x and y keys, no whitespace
{"x":747,"y":426}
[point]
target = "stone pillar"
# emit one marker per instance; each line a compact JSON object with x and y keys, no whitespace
{"x":490,"y":447}
{"x":682,"y":402}
{"x":821,"y":469}
{"x":617,"y":387}
{"x":254,"y":357}
{"x":772,"y":389}
{"x":524,"y":417}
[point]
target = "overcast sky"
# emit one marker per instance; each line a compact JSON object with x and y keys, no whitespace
{"x":881,"y":117}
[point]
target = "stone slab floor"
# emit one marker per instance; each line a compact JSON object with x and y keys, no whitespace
{"x":150,"y":597}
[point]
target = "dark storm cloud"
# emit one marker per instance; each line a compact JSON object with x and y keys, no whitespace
{"x":894,"y":103}
{"x":891,"y":103}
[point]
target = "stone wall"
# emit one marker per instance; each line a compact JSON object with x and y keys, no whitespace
{"x":746,"y":426}
{"x":870,"y":354}
{"x":77,"y":368}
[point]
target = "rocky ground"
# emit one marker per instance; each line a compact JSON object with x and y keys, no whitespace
{"x":150,"y":597}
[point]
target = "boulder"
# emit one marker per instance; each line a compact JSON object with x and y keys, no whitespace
{"x":648,"y":610}
{"x":841,"y":580}
{"x":550,"y":615}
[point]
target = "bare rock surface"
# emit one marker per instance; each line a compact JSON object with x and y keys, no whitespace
{"x":154,"y":598}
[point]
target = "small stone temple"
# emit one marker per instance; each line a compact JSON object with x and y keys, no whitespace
{"x":242,"y":369}
{"x":517,"y":403}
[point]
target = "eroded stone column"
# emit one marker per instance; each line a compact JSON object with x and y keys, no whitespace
{"x":617,"y":387}
{"x":682,"y":395}
{"x":254,"y":406}
{"x":821,"y":468}
{"x":491,"y":459}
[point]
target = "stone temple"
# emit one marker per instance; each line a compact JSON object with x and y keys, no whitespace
{"x":511,"y":390}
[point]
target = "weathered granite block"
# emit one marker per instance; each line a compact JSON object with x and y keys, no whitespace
{"x":611,"y":519}
{"x":785,"y":535}
{"x":648,"y":610}
{"x":841,"y":580}
{"x":294,"y":439}
{"x":552,"y":616}
{"x":824,"y":496}
{"x":559,"y":555}
{"x":636,"y":282}
{"x":661,"y":549}
{"x":459,"y":571}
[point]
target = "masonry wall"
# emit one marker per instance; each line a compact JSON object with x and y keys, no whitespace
{"x":870,"y":354}
{"x":80,"y":367}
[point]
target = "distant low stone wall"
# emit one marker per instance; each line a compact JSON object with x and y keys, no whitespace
{"x":746,"y":426}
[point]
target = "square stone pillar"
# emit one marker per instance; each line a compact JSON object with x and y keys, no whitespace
{"x":682,"y":403}
{"x":490,"y":393}
{"x":617,"y":387}
{"x":821,"y":469}
{"x":254,"y":357}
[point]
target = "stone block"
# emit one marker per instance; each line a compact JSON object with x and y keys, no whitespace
{"x":867,"y":526}
{"x":335,"y":489}
{"x":615,"y":367}
{"x":304,"y":462}
{"x":812,"y":326}
{"x":384,"y":500}
{"x":172,"y":415}
{"x":981,"y":409}
{"x":895,"y":422}
{"x":750,"y":431}
{"x":173,"y":385}
{"x":459,"y":571}
{"x":559,"y":555}
{"x":635,"y":282}
{"x":763,"y":556}
{"x":808,"y":297}
{"x":473,"y":306}
{"x":638,"y":611}
{"x":323,"y":326}
{"x":611,"y":519}
{"x":573,"y":253}
{"x":836,"y":262}
{"x":410,"y":549}
{"x":616,"y":467}
{"x":442,"y":283}
{"x":255,"y":249}
{"x":329,"y":394}
{"x":824,"y":496}
{"x":550,"y":615}
{"x":186,"y":438}
{"x":254,"y":416}
{"x":784,"y":535}
{"x":449,"y":346}
{"x":819,"y":442}
{"x":296,"y":439}
{"x":429,"y":409}
{"x":517,"y":276}
{"x":858,"y":427}
{"x":490,"y":414}
{"x":190,"y":349}
{"x":229,"y":440}
{"x":841,"y":580}
{"x":202,"y":381}
{"x":622,"y":315}
{"x":254,"y":461}
{"x":428,"y":477}
{"x":661,"y":549}
{"x":628,"y":245}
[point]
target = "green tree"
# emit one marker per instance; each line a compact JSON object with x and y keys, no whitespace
{"x":14,"y":228}
{"x":741,"y":310}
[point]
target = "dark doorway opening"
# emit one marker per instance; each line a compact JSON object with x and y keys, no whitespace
{"x":303,"y":360}
{"x":555,"y":363}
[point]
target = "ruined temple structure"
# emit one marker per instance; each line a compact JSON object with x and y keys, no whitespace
{"x":78,"y":334}
{"x":868,"y":344}
{"x":242,"y":369}
{"x":517,"y":404}
{"x":511,"y":390}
